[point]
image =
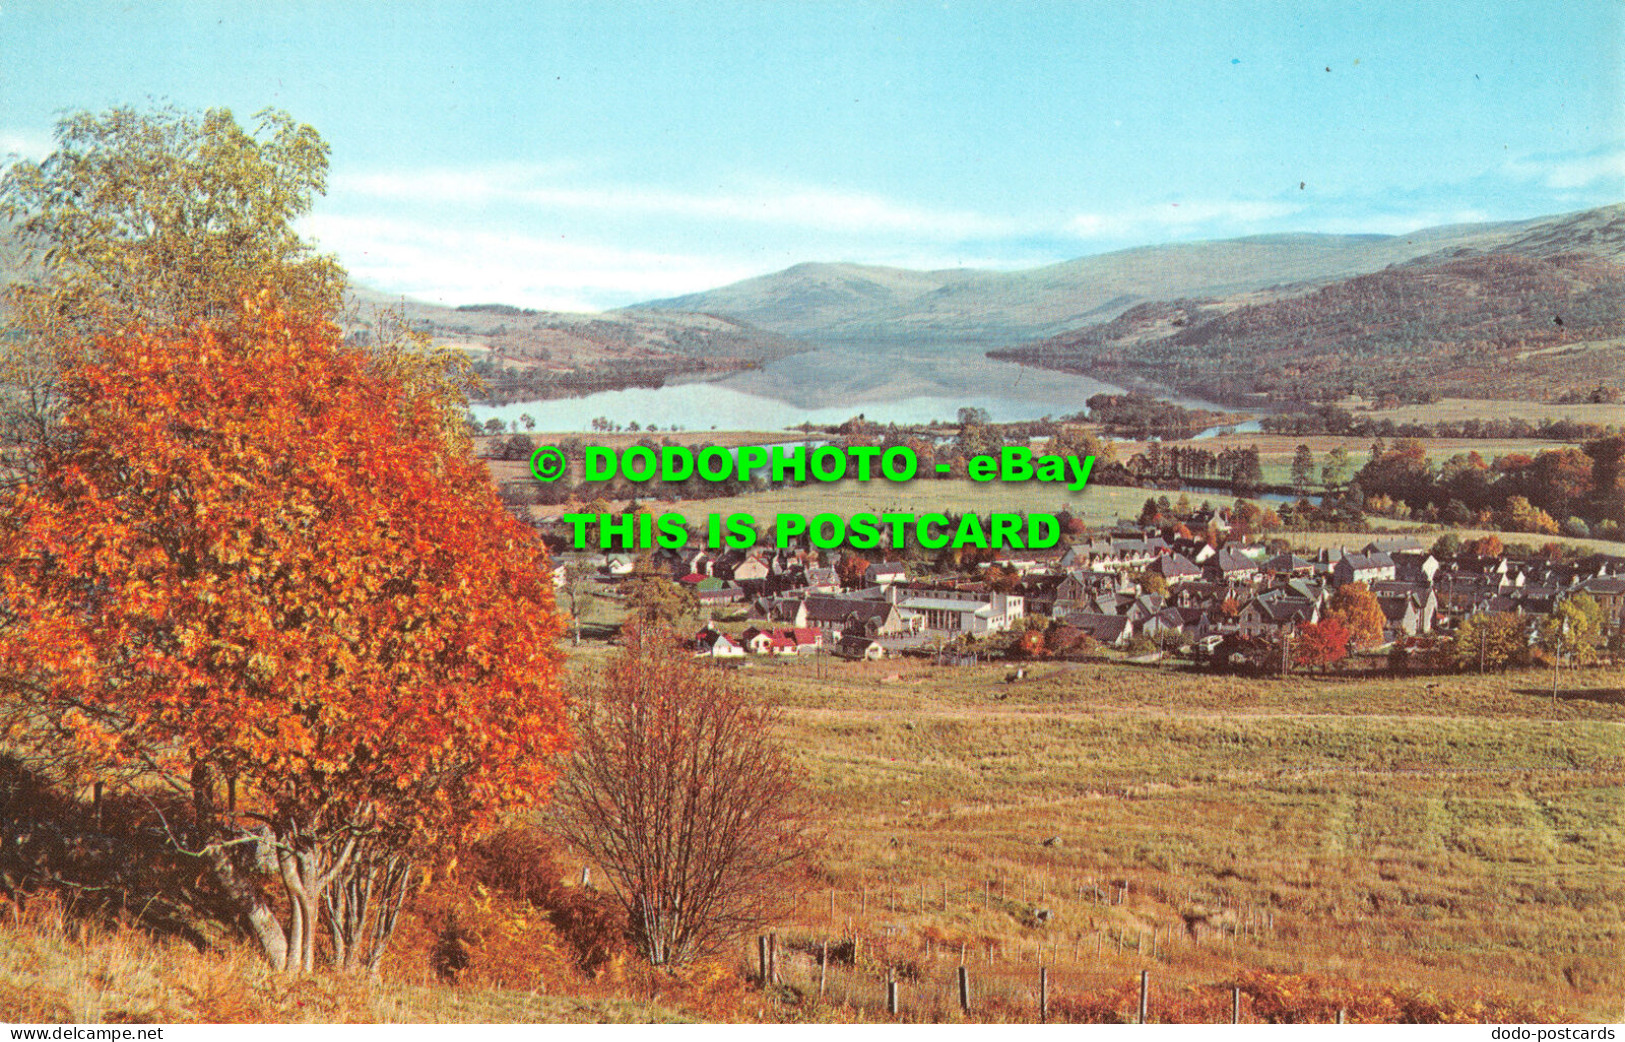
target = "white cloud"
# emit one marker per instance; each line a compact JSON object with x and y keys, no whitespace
{"x":1565,"y":173}
{"x":543,"y":188}
{"x":1399,"y":223}
{"x":1231,"y":217}
{"x":25,"y":144}
{"x":460,"y":266}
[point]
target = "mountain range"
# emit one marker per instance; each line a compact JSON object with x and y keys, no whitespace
{"x":1284,"y":317}
{"x":862,"y":302}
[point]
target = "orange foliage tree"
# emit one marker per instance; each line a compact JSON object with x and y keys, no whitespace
{"x":258,"y":570}
{"x":1356,"y":607}
{"x":1320,"y":644}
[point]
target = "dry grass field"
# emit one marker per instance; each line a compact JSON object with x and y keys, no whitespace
{"x":1454,"y":839}
{"x":1454,"y":836}
{"x":1275,"y":451}
{"x":1454,"y":410}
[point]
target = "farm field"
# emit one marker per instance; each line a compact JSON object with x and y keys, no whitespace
{"x":1275,"y":450}
{"x":1454,"y":410}
{"x":1445,"y":835}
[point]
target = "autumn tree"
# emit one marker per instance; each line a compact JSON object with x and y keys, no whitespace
{"x":1490,"y":640}
{"x":1520,"y":515}
{"x":1150,"y":582}
{"x":653,"y":599}
{"x":1002,"y":579}
{"x":166,"y":218}
{"x":852,"y":569}
{"x":1573,"y":629}
{"x":1356,"y":607}
{"x":1321,"y":644}
{"x":254,"y":572}
{"x":681,"y":791}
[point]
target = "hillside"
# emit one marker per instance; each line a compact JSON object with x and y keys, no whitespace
{"x":856,"y":302}
{"x":524,"y":354}
{"x":1495,"y":325}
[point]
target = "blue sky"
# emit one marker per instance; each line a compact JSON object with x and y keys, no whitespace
{"x":587,"y":155}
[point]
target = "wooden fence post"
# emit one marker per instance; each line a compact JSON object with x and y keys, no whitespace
{"x":891,"y":993}
{"x":1340,"y":1014}
{"x":773,"y":958}
{"x":586,"y":877}
{"x":1043,"y":994}
{"x":823,"y":969}
{"x":761,"y":958}
{"x":1145,"y":996}
{"x":1235,"y":1004}
{"x":964,"y":988}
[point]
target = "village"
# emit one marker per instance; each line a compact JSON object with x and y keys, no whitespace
{"x":1132,"y":589}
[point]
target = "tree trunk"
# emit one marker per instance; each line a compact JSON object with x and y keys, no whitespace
{"x":240,"y":893}
{"x":256,"y":915}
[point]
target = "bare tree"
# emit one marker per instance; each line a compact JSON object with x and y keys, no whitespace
{"x":681,"y":791}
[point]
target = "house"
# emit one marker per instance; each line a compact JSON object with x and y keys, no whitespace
{"x":1040,"y":592}
{"x":1174,"y":568}
{"x":1230,"y":566}
{"x":1168,"y":620}
{"x":837,"y":616}
{"x":751,"y":569}
{"x":713,"y":642}
{"x":1111,"y":630}
{"x":711,"y":590}
{"x":1274,"y":611}
{"x":1396,"y":545}
{"x":1406,"y":614}
{"x":884,"y":573}
{"x":954,"y":609}
{"x":1289,"y":564}
{"x":786,"y":640}
{"x":1362,"y":568}
{"x":1415,"y":566}
{"x":858,"y":647}
{"x":1608,"y":592}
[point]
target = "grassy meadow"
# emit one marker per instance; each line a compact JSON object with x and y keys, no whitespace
{"x":1451,"y":835}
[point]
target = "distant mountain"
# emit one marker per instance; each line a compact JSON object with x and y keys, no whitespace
{"x":526,"y":354}
{"x":1471,"y":325}
{"x":858,"y":302}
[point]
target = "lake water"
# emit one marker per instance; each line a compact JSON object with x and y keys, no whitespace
{"x":887,"y":383}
